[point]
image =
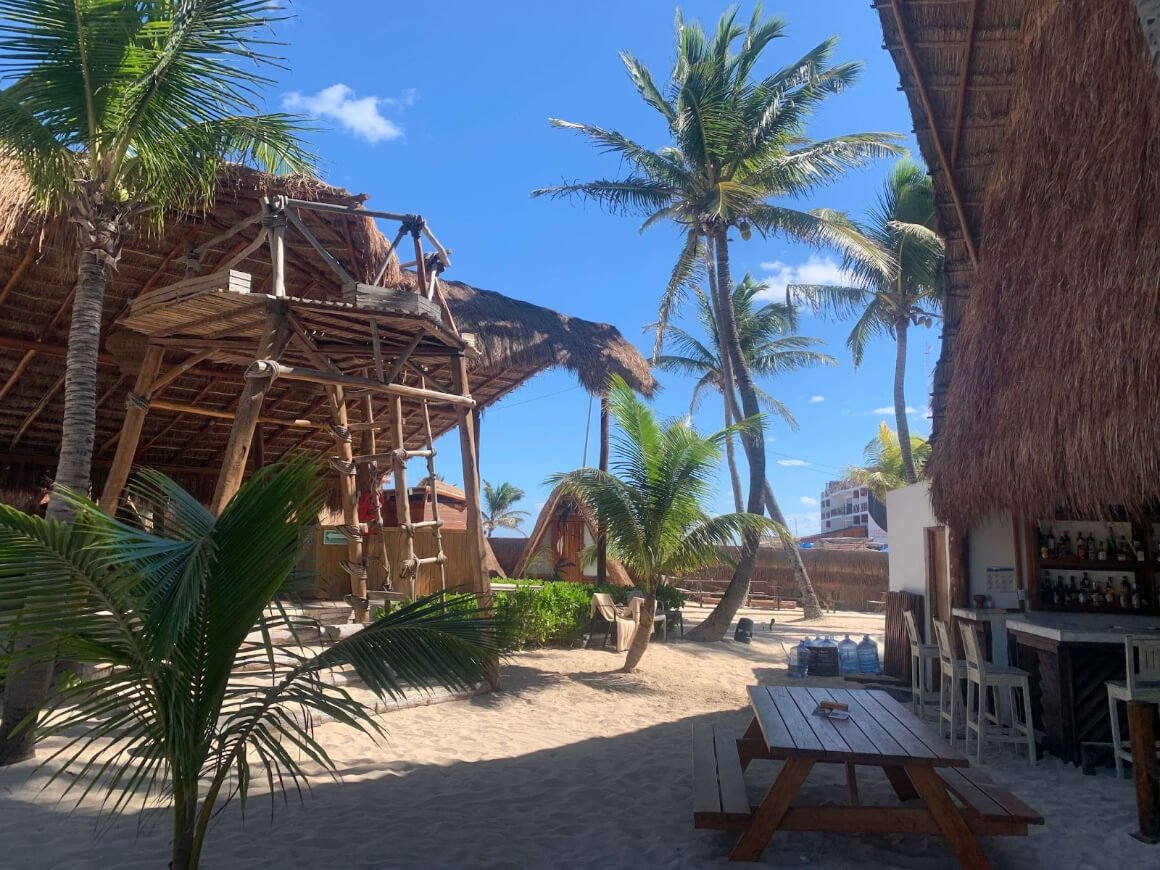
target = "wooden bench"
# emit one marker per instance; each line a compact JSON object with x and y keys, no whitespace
{"x":719,"y":798}
{"x":988,"y":808}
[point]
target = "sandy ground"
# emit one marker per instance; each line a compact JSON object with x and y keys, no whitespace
{"x":572,"y":765}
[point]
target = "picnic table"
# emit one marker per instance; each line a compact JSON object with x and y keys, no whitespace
{"x":956,"y":802}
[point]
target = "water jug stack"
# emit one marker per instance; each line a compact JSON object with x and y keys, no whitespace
{"x":824,"y":657}
{"x":799,"y":660}
{"x":848,"y":656}
{"x":868,"y":657}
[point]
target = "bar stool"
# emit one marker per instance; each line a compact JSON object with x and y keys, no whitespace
{"x":952,"y":677}
{"x":921,"y":656}
{"x":984,"y":681}
{"x":1143,"y":684}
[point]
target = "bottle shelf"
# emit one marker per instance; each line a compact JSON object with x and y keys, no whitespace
{"x":1073,"y":564}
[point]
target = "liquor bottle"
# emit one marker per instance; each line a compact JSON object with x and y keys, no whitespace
{"x":1109,"y":593}
{"x":1122,"y":551}
{"x":1136,"y":599}
{"x":1125,"y":593}
{"x":1046,"y":591}
{"x":1060,"y":593}
{"x":1085,"y":591}
{"x":1080,"y":547}
{"x":1065,"y":545}
{"x":1111,"y":545}
{"x":1072,"y":591}
{"x":1138,"y":548}
{"x":1091,"y":546}
{"x":1041,"y":540}
{"x":1051,"y":543}
{"x":1102,"y":553}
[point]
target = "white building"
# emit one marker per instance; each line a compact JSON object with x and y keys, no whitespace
{"x":848,"y":510}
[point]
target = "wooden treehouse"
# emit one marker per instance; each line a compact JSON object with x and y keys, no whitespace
{"x":380,"y":360}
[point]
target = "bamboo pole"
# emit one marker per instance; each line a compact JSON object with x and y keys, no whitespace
{"x":434,"y":490}
{"x":601,"y":535}
{"x":249,"y":409}
{"x":218,"y":414}
{"x":408,"y":568}
{"x":376,"y":487}
{"x":264,"y":369}
{"x":136,"y":408}
{"x":354,"y":548}
{"x":476,"y":546}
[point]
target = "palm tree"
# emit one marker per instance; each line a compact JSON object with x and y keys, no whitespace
{"x":117,"y":112}
{"x":894,"y":260}
{"x":884,"y":469}
{"x":767,"y":343}
{"x":737,"y":145}
{"x":500,"y":513}
{"x":652,"y":503}
{"x":195,"y":693}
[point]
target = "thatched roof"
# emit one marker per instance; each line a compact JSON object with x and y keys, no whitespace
{"x":1045,"y":390}
{"x":516,"y":340}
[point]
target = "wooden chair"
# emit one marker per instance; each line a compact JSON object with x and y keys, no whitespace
{"x":984,"y":681}
{"x":1143,"y":684}
{"x":922,"y":655}
{"x":952,"y":676}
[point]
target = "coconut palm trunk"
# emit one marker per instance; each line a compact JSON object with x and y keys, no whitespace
{"x":644,"y":630}
{"x":28,"y":683}
{"x":731,"y":458}
{"x":900,"y":402}
{"x":811,"y":608}
{"x":1149,"y":14}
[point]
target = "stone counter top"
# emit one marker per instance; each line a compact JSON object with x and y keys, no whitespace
{"x":977,"y":614}
{"x":1083,"y":627}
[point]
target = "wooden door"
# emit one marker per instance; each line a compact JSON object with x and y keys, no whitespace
{"x":938,"y":589}
{"x":568,"y":543}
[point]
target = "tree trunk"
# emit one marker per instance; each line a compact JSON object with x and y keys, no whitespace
{"x":184,"y":855}
{"x":28,"y":684}
{"x":811,"y":608}
{"x":601,"y":536}
{"x":900,"y":405}
{"x":731,"y":455}
{"x":1149,"y":13}
{"x":644,"y":630}
{"x":717,"y":623}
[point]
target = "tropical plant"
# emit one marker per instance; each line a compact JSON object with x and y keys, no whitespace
{"x":894,"y":260}
{"x":652,"y":502}
{"x":117,"y":112}
{"x":196,"y":697}
{"x":499,"y":512}
{"x":768,"y":344}
{"x":737,"y":146}
{"x":884,"y":469}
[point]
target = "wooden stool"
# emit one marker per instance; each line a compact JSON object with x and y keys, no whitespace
{"x":984,"y":681}
{"x":952,"y":677}
{"x":1143,"y":684}
{"x":922,"y":655}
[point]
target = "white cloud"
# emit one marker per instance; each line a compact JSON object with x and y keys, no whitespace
{"x":803,"y":524}
{"x":358,"y":115}
{"x":889,"y":409}
{"x":792,"y":463}
{"x":808,"y":502}
{"x":817,"y":400}
{"x":815,"y":270}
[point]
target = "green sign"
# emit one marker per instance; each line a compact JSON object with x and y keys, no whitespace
{"x":333,"y":537}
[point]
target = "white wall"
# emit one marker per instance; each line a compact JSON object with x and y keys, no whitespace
{"x":909,"y":515}
{"x":990,"y":544}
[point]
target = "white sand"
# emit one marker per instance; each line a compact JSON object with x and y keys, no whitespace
{"x":572,"y":765}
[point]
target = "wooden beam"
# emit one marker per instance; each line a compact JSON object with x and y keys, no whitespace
{"x":27,"y":260}
{"x":354,"y":547}
{"x":1142,"y":739}
{"x":36,"y":411}
{"x":136,"y":408}
{"x":218,"y":414}
{"x":961,"y":101}
{"x":177,"y":415}
{"x":924,"y":100}
{"x":264,"y":369}
{"x":24,"y":362}
{"x":10,"y":342}
{"x":177,"y":371}
{"x":51,"y":460}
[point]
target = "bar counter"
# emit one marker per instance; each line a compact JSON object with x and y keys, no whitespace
{"x":1070,"y":657}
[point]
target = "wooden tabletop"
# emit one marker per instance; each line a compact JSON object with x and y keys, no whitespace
{"x":879,"y":731}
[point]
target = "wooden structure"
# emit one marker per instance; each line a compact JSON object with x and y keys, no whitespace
{"x":958,"y":803}
{"x":191,"y":410}
{"x":564,"y":535}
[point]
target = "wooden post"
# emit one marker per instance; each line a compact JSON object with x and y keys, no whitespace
{"x":601,"y":537}
{"x":958,"y":567}
{"x":375,"y":487}
{"x":476,"y":548}
{"x":137,"y":407}
{"x":407,"y":566}
{"x":278,"y":247}
{"x":347,"y":488}
{"x":249,"y":410}
{"x":1142,"y":732}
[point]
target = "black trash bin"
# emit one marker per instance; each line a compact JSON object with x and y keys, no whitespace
{"x":744,"y":633}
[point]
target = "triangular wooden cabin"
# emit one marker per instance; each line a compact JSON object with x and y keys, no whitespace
{"x":565,"y":532}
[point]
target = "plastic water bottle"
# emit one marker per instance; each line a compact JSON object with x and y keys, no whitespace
{"x":799,"y":660}
{"x":868,"y":657}
{"x":848,"y":656}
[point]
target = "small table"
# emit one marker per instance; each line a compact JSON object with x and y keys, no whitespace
{"x":879,"y":732}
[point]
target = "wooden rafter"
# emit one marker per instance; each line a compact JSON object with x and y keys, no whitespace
{"x":177,"y":415}
{"x":924,"y":100}
{"x":961,"y":101}
{"x":27,"y":260}
{"x":36,"y":411}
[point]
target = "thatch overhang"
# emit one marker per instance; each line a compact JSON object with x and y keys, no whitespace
{"x":515,"y":340}
{"x":1040,"y":120}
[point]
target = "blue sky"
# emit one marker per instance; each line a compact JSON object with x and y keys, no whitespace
{"x":442,"y":109}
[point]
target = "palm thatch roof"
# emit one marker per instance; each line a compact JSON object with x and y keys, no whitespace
{"x":558,"y":506}
{"x":516,"y":340}
{"x":1040,"y":120}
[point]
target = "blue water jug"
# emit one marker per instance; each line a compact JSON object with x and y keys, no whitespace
{"x":868,"y":657}
{"x":848,"y":656}
{"x":799,"y":660}
{"x":829,"y":641}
